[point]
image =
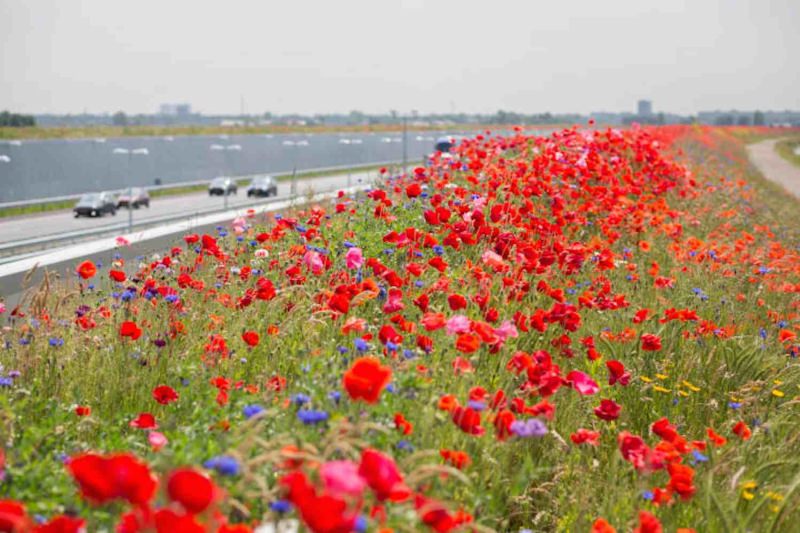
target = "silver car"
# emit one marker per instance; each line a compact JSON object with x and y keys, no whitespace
{"x":263,"y":186}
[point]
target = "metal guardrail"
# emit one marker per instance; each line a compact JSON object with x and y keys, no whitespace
{"x":27,"y":246}
{"x":334,"y":169}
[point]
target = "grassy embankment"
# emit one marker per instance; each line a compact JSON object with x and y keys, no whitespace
{"x":788,"y":149}
{"x":718,"y":241}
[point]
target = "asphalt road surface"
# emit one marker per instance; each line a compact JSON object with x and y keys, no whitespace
{"x":774,"y":167}
{"x":53,"y":223}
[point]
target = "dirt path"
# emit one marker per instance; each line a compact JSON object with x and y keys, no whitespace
{"x":774,"y":167}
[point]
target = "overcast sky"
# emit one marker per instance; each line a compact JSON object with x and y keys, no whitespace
{"x":312,"y":56}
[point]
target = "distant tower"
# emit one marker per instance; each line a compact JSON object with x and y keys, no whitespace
{"x":644,"y":108}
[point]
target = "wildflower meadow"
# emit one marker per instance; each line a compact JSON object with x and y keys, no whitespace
{"x":593,"y":331}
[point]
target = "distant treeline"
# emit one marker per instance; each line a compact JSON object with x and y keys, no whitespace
{"x":15,"y":120}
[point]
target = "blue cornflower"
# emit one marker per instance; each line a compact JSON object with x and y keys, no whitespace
{"x":223,"y":464}
{"x":280,"y":506}
{"x":361,"y":345}
{"x":300,"y":399}
{"x":252,"y":410}
{"x":438,"y":249}
{"x":309,"y":416}
{"x":699,"y":457}
{"x":56,"y":341}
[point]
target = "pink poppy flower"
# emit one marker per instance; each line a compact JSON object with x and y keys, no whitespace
{"x":341,"y":478}
{"x":354,"y":258}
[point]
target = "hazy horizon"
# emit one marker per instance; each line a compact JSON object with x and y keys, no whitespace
{"x":435,"y":57}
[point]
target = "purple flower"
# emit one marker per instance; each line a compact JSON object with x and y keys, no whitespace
{"x":533,"y":427}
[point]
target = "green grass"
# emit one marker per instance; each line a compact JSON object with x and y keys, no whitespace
{"x":787,"y":150}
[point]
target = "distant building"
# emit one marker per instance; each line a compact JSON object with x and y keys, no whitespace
{"x":175,"y":110}
{"x":644,"y":108}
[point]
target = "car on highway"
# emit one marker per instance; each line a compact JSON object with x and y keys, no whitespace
{"x":134,"y":197}
{"x":446,"y":144}
{"x":222,"y":187}
{"x":95,"y":204}
{"x":263,"y":186}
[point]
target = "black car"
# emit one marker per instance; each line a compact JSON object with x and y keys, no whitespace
{"x":95,"y":204}
{"x":222,"y":187}
{"x":263,"y":186}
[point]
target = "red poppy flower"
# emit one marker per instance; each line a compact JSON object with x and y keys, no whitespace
{"x":251,"y":338}
{"x":617,"y":373}
{"x":602,"y":526}
{"x":413,"y":190}
{"x":650,"y":342}
{"x":105,"y":478}
{"x":87,"y":270}
{"x":404,"y":426}
{"x":433,"y":321}
{"x":383,"y":477}
{"x":468,"y":343}
{"x":194,"y":491}
{"x":664,"y":429}
{"x":648,"y":523}
{"x":169,"y":520}
{"x":717,"y":440}
{"x":117,"y":275}
{"x":456,"y":458}
{"x":366,"y":378}
{"x":585,"y":436}
{"x":456,"y":302}
{"x":13,"y":517}
{"x":164,"y":394}
{"x":322,"y":513}
{"x":681,"y":480}
{"x":83,"y":410}
{"x":741,"y":429}
{"x":468,"y":420}
{"x":608,"y":410}
{"x":62,"y":524}
{"x":144,"y":421}
{"x":130,"y":329}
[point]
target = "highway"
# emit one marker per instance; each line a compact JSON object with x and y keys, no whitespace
{"x":55,"y":222}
